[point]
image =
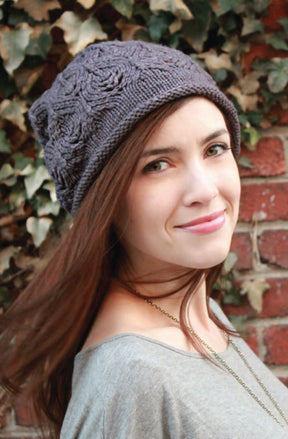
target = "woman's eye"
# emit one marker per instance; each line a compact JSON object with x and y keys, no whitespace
{"x":158,"y":165}
{"x":218,"y":149}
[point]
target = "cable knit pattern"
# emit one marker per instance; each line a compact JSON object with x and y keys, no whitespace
{"x":100,"y":96}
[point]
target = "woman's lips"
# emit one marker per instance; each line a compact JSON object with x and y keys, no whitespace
{"x":205,"y":224}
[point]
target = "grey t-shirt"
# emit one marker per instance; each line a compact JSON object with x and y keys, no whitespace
{"x":134,"y":387}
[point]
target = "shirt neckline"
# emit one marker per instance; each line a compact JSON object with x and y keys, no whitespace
{"x":151,"y":340}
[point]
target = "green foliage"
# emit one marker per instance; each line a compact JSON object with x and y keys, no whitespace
{"x":38,"y":38}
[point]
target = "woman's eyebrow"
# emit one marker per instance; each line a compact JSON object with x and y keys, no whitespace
{"x":173,"y":149}
{"x":157,"y":151}
{"x":214,"y":135}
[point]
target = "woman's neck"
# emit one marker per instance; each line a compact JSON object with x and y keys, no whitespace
{"x":171,"y":303}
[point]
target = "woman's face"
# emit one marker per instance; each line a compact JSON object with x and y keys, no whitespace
{"x":182,"y":205}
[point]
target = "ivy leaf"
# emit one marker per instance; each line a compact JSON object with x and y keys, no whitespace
{"x":250,"y":83}
{"x":4,"y":145}
{"x":38,"y":228}
{"x":128,"y":30}
{"x":175,"y":26}
{"x":284,"y":23}
{"x":124,"y":7}
{"x":5,"y":257}
{"x":277,"y":80}
{"x":6,"y":171}
{"x":196,"y":30}
{"x":158,"y":25}
{"x":215,"y":62}
{"x":246,"y":162}
{"x":29,"y":169}
{"x":253,"y":137}
{"x":26,"y":78}
{"x":176,"y":7}
{"x":38,"y":9}
{"x":224,"y":6}
{"x":13,"y":46}
{"x":230,"y":261}
{"x":255,"y":290}
{"x":246,"y":102}
{"x":251,"y":25}
{"x":13,"y":111}
{"x":51,"y":188}
{"x":20,"y":161}
{"x":46,"y":206}
{"x":277,"y":42}
{"x":40,"y":42}
{"x":78,"y":34}
{"x":87,"y":4}
{"x":260,"y":5}
{"x":7,"y":175}
{"x":34,"y":181}
{"x":17,"y":197}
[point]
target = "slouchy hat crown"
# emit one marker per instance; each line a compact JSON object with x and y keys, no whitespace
{"x":100,"y":96}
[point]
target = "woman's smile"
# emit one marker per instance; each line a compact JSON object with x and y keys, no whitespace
{"x":206,"y":224}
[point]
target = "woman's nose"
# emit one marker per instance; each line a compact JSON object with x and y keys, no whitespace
{"x":200,"y":186}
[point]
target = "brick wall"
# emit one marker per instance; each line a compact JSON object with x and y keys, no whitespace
{"x":261,"y":243}
{"x":261,"y":238}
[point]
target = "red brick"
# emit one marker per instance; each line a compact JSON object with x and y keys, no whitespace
{"x":273,"y":247}
{"x":276,"y":9}
{"x":268,"y":158}
{"x":24,"y":412}
{"x":262,"y":51}
{"x":269,"y":199}
{"x":241,"y":245}
{"x":251,"y":338}
{"x":244,"y":309}
{"x":275,"y":300}
{"x":278,"y":112}
{"x":275,"y":339}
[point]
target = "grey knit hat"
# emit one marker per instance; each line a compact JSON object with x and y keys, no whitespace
{"x":99,"y":98}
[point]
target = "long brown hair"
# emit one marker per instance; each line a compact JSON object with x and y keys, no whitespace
{"x":49,"y":322}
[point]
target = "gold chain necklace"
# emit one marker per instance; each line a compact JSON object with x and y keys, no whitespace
{"x":230,"y":370}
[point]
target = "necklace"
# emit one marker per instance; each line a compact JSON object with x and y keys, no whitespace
{"x":231,"y":371}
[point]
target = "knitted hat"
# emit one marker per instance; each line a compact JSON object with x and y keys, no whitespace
{"x":99,"y":98}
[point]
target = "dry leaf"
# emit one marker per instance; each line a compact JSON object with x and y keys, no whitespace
{"x":177,"y":7}
{"x":78,"y":34}
{"x":87,"y":4}
{"x":247,"y":102}
{"x":25,"y":79}
{"x":13,"y":111}
{"x":6,"y":255}
{"x":38,"y":9}
{"x":249,"y":84}
{"x":128,"y":31}
{"x":215,"y":62}
{"x":255,"y":290}
{"x":175,"y":26}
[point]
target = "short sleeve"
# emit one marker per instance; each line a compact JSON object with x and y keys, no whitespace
{"x":125,"y":401}
{"x":140,"y":407}
{"x":84,"y":418}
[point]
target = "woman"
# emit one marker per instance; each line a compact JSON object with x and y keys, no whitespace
{"x":141,"y":145}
